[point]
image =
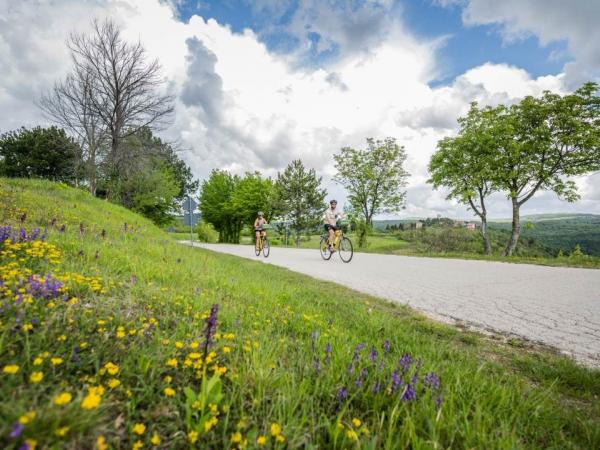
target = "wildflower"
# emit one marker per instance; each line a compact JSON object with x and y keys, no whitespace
{"x":36,"y":377}
{"x":356,"y":422}
{"x":261,"y":440}
{"x":386,"y":347}
{"x":61,"y":432}
{"x":439,"y":399}
{"x":169,"y":392}
{"x":17,"y":429}
{"x":30,"y":444}
{"x":405,"y":362}
{"x":155,"y":439}
{"x":373,"y":354}
{"x":396,"y":381}
{"x":56,"y":361}
{"x":38,"y":361}
{"x":432,"y":380}
{"x":236,"y":437}
{"x":194,"y":355}
{"x":111,"y":368}
{"x":342,"y":393}
{"x":192,"y":437}
{"x":28,"y":417}
{"x":352,"y":435}
{"x":139,"y":428}
{"x":275,"y":429}
{"x":179,"y":344}
{"x":409,"y":393}
{"x":62,"y":398}
{"x":168,"y":378}
{"x":280,"y":438}
{"x":226,"y":349}
{"x":113,"y":383}
{"x":101,"y":443}
{"x":91,"y":401}
{"x":211,"y":327}
{"x":137,"y":445}
{"x":210,"y":424}
{"x":10,"y":369}
{"x":172,"y":362}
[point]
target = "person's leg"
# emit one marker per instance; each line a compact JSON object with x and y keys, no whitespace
{"x":256,"y":244}
{"x":331,"y":236}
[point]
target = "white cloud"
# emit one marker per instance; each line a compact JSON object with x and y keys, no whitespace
{"x":574,"y":21}
{"x":241,"y":107}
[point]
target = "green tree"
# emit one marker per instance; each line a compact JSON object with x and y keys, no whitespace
{"x":153,"y":193}
{"x":38,"y":152}
{"x":216,"y":206}
{"x":464,"y":164}
{"x":252,"y":194}
{"x":374,"y":177}
{"x":546,"y":141}
{"x":300,"y":197}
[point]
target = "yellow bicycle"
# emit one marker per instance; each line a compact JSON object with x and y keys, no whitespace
{"x":341,"y":244}
{"x":263,"y":245}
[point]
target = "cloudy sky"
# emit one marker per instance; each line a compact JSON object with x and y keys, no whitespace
{"x":261,"y":82}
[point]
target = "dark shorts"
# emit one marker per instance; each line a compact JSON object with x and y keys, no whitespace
{"x":330,"y":227}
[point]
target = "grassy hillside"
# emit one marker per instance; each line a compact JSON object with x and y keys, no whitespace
{"x":109,"y":336}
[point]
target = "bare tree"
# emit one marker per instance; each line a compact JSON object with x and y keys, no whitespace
{"x":70,"y":105}
{"x":124,"y":86}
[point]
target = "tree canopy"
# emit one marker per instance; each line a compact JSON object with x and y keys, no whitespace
{"x":374,"y":177}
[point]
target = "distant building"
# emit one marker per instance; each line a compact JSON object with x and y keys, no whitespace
{"x":470,"y":225}
{"x":418,"y":225}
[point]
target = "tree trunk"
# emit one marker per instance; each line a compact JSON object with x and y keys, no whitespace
{"x":484,"y":235}
{"x":516,"y":229}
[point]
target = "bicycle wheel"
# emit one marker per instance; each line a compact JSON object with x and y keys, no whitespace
{"x":266,"y":247}
{"x":257,"y":249}
{"x":324,"y":248}
{"x":346,"y":251}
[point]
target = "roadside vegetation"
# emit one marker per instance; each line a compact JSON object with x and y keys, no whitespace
{"x":114,"y":335}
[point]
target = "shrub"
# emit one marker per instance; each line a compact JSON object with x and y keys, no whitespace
{"x":206,"y":232}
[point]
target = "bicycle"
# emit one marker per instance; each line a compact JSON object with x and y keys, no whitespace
{"x":341,"y":244}
{"x":263,"y":245}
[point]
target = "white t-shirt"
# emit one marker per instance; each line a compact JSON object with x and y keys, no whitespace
{"x":332,"y":215}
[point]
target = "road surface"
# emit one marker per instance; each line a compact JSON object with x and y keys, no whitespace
{"x":556,"y":306}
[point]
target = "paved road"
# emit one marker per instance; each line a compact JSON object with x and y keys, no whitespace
{"x":555,"y":306}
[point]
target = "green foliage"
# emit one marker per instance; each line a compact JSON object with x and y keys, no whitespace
{"x":206,"y":232}
{"x":216,"y":194}
{"x":38,"y":153}
{"x":276,"y":325}
{"x":300,"y":198}
{"x":252,"y":194}
{"x":374,"y":177}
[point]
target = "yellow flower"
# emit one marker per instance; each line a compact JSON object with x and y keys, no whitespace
{"x":62,"y":399}
{"x":194,"y":355}
{"x":36,"y":377}
{"x":113,"y":383}
{"x":38,"y":361}
{"x":226,"y":349}
{"x":111,"y":368}
{"x":168,"y":378}
{"x":27,"y":327}
{"x":192,"y":436}
{"x":194,"y":345}
{"x":179,"y":344}
{"x":120,"y":334}
{"x":56,"y":361}
{"x":137,"y":445}
{"x":91,"y":401}
{"x":139,"y":428}
{"x":28,"y":417}
{"x":210,"y":424}
{"x":236,"y":437}
{"x":356,"y":422}
{"x":261,"y":440}
{"x":172,"y":362}
{"x":10,"y":369}
{"x":101,"y":443}
{"x":155,"y":439}
{"x":275,"y":429}
{"x":352,"y":435}
{"x":32,"y":443}
{"x":61,"y":432}
{"x":169,"y":392}
{"x":280,"y":438}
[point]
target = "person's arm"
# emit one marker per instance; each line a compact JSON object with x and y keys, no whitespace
{"x":256,"y":223}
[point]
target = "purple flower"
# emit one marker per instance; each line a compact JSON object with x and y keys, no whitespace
{"x":373,"y":354}
{"x":62,"y":228}
{"x":409,"y":393}
{"x":359,"y":347}
{"x":25,"y":446}
{"x":211,"y":327}
{"x":52,"y":221}
{"x":342,"y":393}
{"x":406,"y":362}
{"x":386,"y":347}
{"x":432,"y":381}
{"x":327,"y":353}
{"x":396,"y":381}
{"x":439,"y":399}
{"x":314,"y":336}
{"x":17,"y":429}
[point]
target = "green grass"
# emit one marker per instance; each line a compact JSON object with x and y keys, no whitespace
{"x":276,"y":324}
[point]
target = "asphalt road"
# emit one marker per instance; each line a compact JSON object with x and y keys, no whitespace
{"x":554,"y":306}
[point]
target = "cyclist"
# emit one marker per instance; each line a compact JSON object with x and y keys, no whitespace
{"x":258,"y":224}
{"x":330,"y":218}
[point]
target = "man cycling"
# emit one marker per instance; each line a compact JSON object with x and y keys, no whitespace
{"x":330,"y":218}
{"x":258,"y":226}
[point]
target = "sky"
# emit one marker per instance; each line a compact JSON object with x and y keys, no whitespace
{"x":260,"y":83}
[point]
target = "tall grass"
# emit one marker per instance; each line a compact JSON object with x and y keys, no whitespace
{"x":293,"y":362}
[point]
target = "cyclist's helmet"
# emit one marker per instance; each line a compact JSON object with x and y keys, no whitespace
{"x":331,"y":202}
{"x":260,"y":214}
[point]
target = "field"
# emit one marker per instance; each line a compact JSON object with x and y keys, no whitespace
{"x":113,"y":335}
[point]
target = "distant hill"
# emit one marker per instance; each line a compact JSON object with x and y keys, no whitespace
{"x":557,"y":232}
